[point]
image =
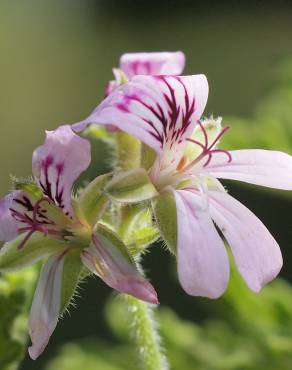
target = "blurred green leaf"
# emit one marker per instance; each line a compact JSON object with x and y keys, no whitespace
{"x":16,"y":291}
{"x":248,"y":332}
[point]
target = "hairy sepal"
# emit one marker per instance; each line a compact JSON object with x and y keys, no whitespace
{"x":38,"y":247}
{"x":72,"y":270}
{"x":148,"y":156}
{"x":28,"y":186}
{"x":164,"y":209}
{"x":93,"y":200}
{"x":112,"y":241}
{"x":133,"y":186}
{"x":137,"y":229}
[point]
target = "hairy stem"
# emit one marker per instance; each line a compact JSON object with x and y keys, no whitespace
{"x":141,"y":314}
{"x":145,"y":333}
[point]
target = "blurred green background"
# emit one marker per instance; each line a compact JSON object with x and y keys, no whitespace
{"x":56,"y":58}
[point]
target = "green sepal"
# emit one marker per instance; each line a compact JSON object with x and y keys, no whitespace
{"x":128,"y":151}
{"x":133,"y":186}
{"x":112,"y":241}
{"x":120,"y":76}
{"x":137,"y":229}
{"x":29,"y":186}
{"x":148,"y":156}
{"x":164,"y":209}
{"x":93,"y":201}
{"x":37,"y":247}
{"x":72,"y":269}
{"x":57,"y":215}
{"x":143,"y":238}
{"x":97,"y":132}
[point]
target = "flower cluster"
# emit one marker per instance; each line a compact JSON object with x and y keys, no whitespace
{"x":175,"y":184}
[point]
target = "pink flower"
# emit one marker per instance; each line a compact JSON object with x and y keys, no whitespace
{"x":44,"y":221}
{"x":154,"y":63}
{"x":164,"y":112}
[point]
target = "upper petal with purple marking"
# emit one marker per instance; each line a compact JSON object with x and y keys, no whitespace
{"x":161,"y":111}
{"x":155,"y":63}
{"x":58,"y":163}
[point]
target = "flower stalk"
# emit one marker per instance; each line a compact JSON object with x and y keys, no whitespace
{"x":145,"y":333}
{"x":141,"y":315}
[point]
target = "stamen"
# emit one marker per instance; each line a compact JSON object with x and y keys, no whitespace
{"x":209,"y":159}
{"x":36,"y":208}
{"x":33,"y":223}
{"x":207,"y":150}
{"x":218,"y":137}
{"x":204,"y":133}
{"x":27,"y":237}
{"x":224,"y":152}
{"x":197,"y":143}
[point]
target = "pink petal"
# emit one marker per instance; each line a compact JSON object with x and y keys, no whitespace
{"x":8,"y":225}
{"x":163,"y":63}
{"x":257,"y":254}
{"x":59,"y":162}
{"x":261,"y":167}
{"x":110,"y":87}
{"x":116,"y":269}
{"x":46,"y":305}
{"x":203,"y":266}
{"x":160,"y":111}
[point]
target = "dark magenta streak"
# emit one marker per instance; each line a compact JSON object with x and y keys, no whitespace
{"x":123,"y":107}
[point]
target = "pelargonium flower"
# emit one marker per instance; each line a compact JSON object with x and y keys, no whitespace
{"x":41,"y":220}
{"x":153,"y":63}
{"x":188,"y":200}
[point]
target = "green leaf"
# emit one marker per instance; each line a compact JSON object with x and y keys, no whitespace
{"x":92,"y":201}
{"x":164,"y":209}
{"x":71,"y":276}
{"x":16,"y":290}
{"x":37,"y":247}
{"x":131,"y":187}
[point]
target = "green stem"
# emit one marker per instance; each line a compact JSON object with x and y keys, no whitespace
{"x":145,"y":333}
{"x":141,"y":314}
